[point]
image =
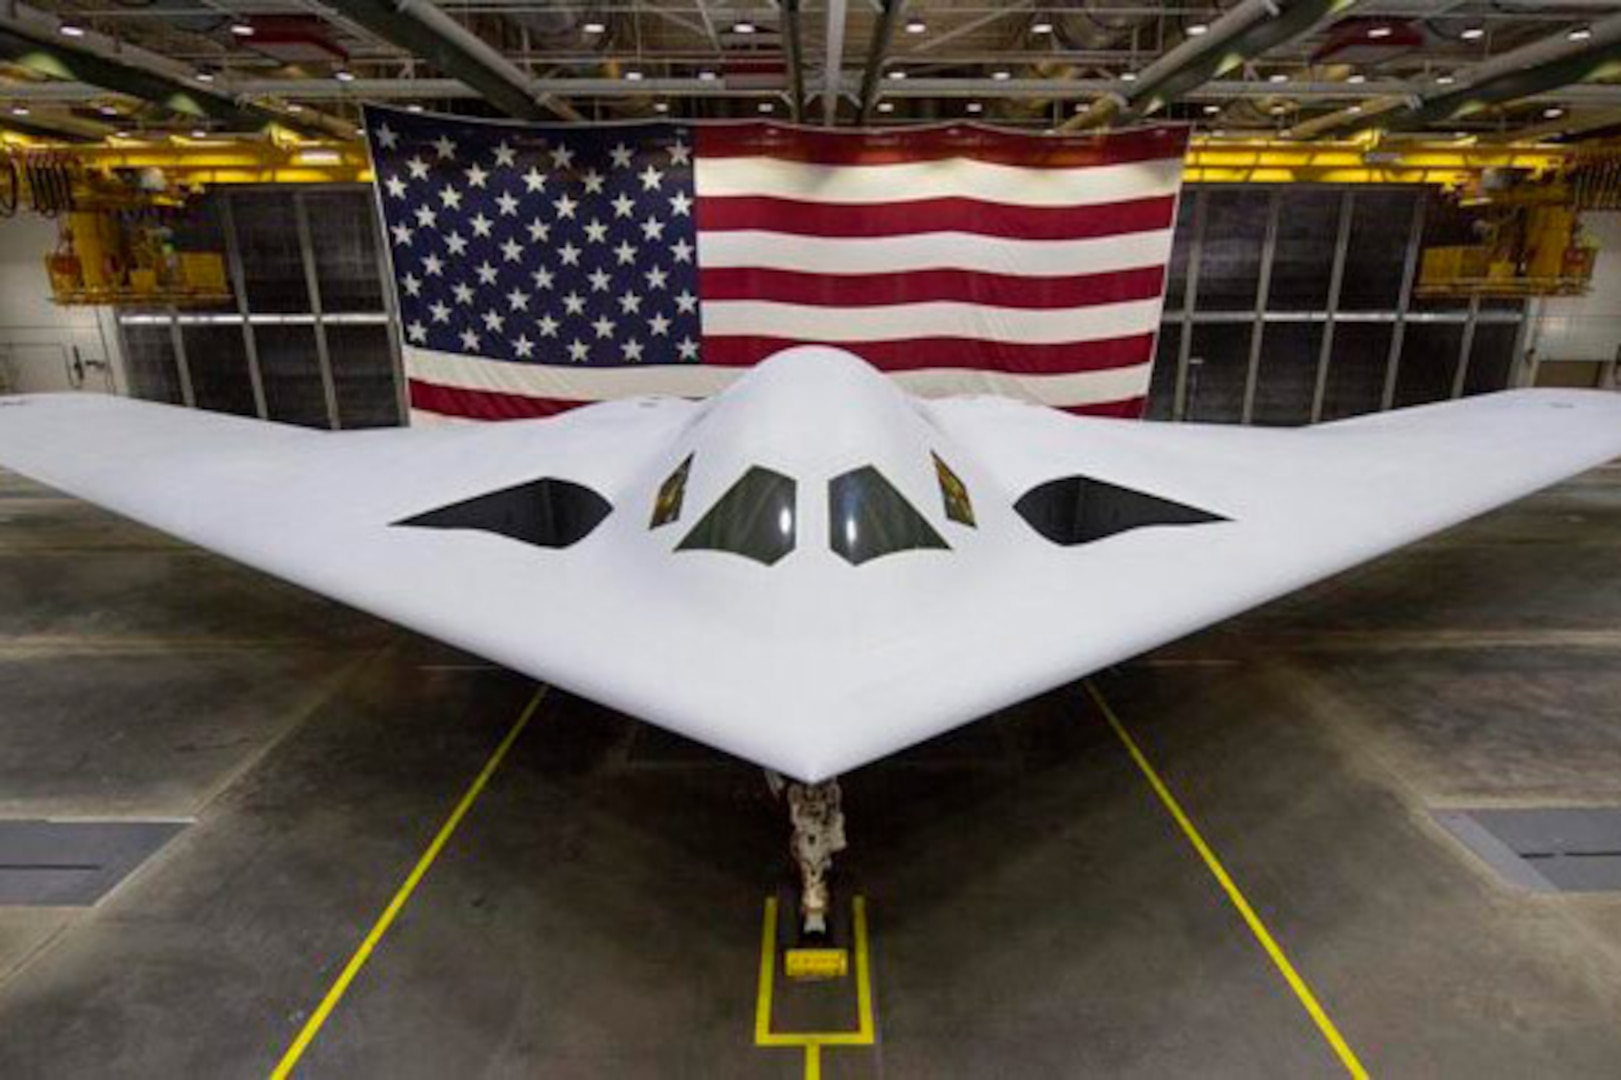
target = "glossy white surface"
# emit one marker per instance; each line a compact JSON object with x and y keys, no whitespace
{"x":811,"y":666}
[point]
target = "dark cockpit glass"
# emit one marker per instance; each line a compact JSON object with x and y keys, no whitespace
{"x":667,"y":507}
{"x":549,"y":513}
{"x":755,"y":519}
{"x":959,"y":507}
{"x":868,"y":518}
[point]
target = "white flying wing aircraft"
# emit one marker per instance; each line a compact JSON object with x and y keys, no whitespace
{"x":813,"y":569}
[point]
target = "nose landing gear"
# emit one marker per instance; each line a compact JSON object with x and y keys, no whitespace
{"x":818,"y":834}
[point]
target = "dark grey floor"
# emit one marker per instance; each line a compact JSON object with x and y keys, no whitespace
{"x":1034,"y":910}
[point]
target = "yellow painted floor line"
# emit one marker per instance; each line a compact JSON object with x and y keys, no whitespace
{"x":312,"y":1027}
{"x":1263,"y":936}
{"x":813,"y":1041}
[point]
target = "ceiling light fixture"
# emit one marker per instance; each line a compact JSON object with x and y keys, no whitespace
{"x":1356,"y":80}
{"x":1552,"y":112}
{"x":1212,"y":110}
{"x":1128,"y":76}
{"x":1445,"y":80}
{"x":633,"y":75}
{"x":766,"y":106}
{"x":1354,"y":110}
{"x":199,"y":133}
{"x":975,"y":107}
{"x":68,"y":29}
{"x":594,"y":27}
{"x":1198,"y":29}
{"x":413,"y":107}
{"x":1473,"y":33}
{"x":204,"y":76}
{"x":1377,"y":32}
{"x":1041,"y":26}
{"x":294,"y":107}
{"x":344,"y":75}
{"x":886,"y":106}
{"x":1581,"y":33}
{"x":1277,"y":77}
{"x":742,"y":26}
{"x":707,"y":76}
{"x":107,"y":110}
{"x":661,"y":106}
{"x":1001,"y":75}
{"x":242,"y":29}
{"x":916,"y":26}
{"x":897,"y":74}
{"x":19,"y":110}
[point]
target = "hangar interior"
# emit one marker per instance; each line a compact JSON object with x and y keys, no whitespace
{"x":1371,"y":829}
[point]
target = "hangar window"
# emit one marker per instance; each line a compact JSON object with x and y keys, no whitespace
{"x":959,"y":507}
{"x":1078,"y":510}
{"x":549,"y":513}
{"x":868,"y":518}
{"x":667,"y":507}
{"x":755,"y":519}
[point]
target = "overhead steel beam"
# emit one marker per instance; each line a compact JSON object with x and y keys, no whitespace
{"x":833,"y":75}
{"x":55,"y":60}
{"x":423,"y":29}
{"x":1593,"y":94}
{"x":796,"y":59}
{"x":1536,"y":68}
{"x":882,"y":33}
{"x":1248,"y":30}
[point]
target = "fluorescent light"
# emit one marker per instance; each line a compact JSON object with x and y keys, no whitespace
{"x":19,"y":110}
{"x":1041,"y":26}
{"x":766,"y":106}
{"x":1212,"y":110}
{"x":294,"y":107}
{"x":1380,"y":32}
{"x":107,"y":110}
{"x":1128,"y":76}
{"x":319,"y":155}
{"x":916,"y":26}
{"x":975,"y":107}
{"x":897,"y":74}
{"x":1552,"y":112}
{"x":742,"y":26}
{"x":1444,"y":80}
{"x":1277,"y":77}
{"x":886,"y":106}
{"x":1473,"y":33}
{"x":68,"y":29}
{"x":633,"y":75}
{"x":1001,"y":75}
{"x":199,"y":133}
{"x":707,"y":76}
{"x":413,"y":107}
{"x":1581,"y":33}
{"x":360,"y":132}
{"x":1356,"y":80}
{"x":1354,"y":109}
{"x":344,"y":75}
{"x":661,"y":106}
{"x":242,"y":29}
{"x":1197,"y":29}
{"x":594,"y":27}
{"x":204,"y":76}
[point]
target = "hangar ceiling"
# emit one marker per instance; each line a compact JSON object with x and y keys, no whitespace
{"x":1299,"y":69}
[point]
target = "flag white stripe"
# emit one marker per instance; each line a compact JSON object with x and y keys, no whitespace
{"x":932,"y":251}
{"x":561,"y":383}
{"x":948,"y":178}
{"x":933,"y":318}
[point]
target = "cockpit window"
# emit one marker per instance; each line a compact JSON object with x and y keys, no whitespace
{"x":868,"y":518}
{"x":667,"y":507}
{"x":959,"y":507}
{"x":755,"y":519}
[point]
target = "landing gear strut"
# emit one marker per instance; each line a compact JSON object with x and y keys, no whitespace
{"x":818,"y":823}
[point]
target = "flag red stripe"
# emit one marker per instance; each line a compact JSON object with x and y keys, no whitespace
{"x":490,"y":405}
{"x":485,"y":404}
{"x":913,"y":354}
{"x":951,"y":214}
{"x":819,"y":146}
{"x":920,"y":286}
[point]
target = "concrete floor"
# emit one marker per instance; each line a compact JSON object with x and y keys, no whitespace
{"x":1034,"y":910}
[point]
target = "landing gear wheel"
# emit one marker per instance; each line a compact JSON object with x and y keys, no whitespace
{"x":818,"y":834}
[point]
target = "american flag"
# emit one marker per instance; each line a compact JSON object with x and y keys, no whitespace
{"x":543,"y":267}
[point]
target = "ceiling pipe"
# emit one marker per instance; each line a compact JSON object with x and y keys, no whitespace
{"x":833,"y":78}
{"x":1537,"y":68}
{"x":882,"y":33}
{"x":1365,"y":113}
{"x":796,"y":60}
{"x":424,"y":30}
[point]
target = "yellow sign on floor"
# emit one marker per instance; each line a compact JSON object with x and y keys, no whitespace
{"x":816,"y":964}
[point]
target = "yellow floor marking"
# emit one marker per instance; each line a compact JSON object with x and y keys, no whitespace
{"x":312,"y":1027}
{"x":1307,"y":999}
{"x":813,"y":1041}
